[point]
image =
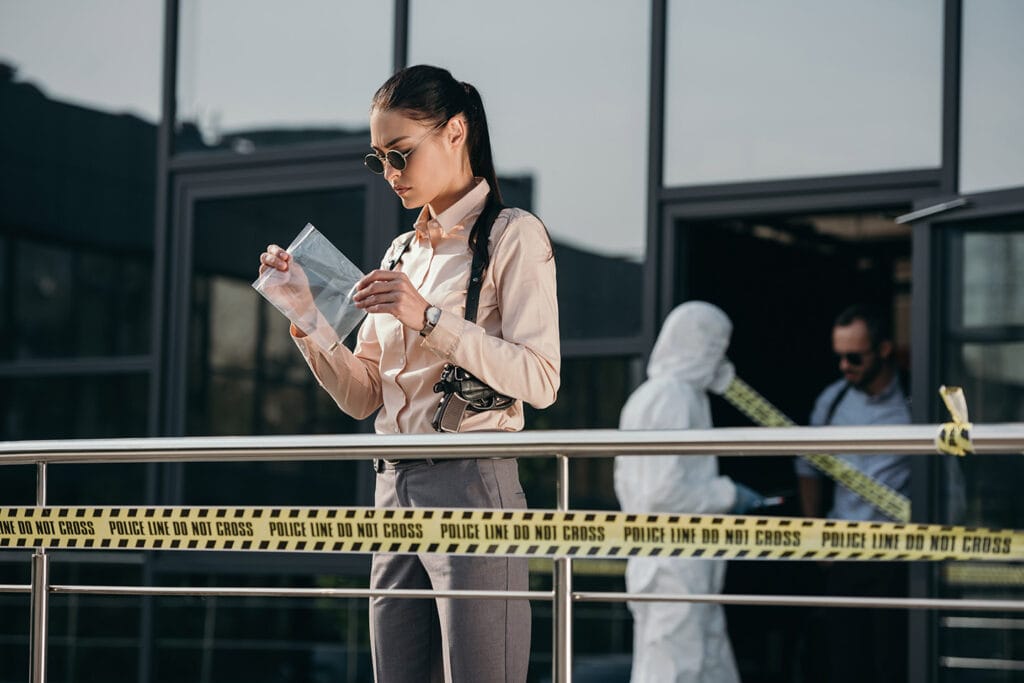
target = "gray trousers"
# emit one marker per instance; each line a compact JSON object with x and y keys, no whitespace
{"x":445,"y":639}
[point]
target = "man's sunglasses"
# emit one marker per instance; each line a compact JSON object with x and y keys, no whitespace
{"x":853,"y":358}
{"x":397,"y":160}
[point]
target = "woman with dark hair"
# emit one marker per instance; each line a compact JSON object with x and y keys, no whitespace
{"x":431,"y":144}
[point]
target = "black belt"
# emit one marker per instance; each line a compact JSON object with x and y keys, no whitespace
{"x":381,"y":464}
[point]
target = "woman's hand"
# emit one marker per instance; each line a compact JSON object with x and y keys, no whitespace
{"x":290,"y":290}
{"x":389,"y":291}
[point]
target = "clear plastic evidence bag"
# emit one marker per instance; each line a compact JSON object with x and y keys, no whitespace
{"x":315,"y":293}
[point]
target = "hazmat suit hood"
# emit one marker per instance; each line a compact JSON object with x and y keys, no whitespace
{"x":691,"y":347}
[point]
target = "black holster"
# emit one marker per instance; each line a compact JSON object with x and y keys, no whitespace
{"x":463,"y":392}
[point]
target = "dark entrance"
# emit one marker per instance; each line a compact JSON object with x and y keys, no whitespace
{"x":782,"y":279}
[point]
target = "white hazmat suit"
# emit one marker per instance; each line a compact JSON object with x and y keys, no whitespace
{"x":679,"y":642}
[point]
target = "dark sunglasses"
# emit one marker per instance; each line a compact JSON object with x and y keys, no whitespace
{"x":397,"y":160}
{"x":853,"y":358}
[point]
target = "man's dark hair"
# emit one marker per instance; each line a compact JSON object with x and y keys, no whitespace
{"x":878,"y":324}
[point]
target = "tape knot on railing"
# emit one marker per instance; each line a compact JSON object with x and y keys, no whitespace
{"x":954,"y":438}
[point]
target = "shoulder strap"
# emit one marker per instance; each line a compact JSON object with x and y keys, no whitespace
{"x":835,"y":403}
{"x":401,"y":252}
{"x":476,"y":273}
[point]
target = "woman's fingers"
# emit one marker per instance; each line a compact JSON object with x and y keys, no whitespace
{"x":274,"y":257}
{"x":390,"y":291}
{"x":380,"y":281}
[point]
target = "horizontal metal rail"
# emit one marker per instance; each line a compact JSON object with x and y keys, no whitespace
{"x":750,"y":441}
{"x":746,"y":441}
{"x":228,"y":592}
{"x":959,"y":605}
{"x":808,"y":601}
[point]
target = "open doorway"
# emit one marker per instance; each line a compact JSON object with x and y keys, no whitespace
{"x":782,"y":279}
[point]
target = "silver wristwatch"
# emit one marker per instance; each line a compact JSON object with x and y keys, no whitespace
{"x":431,"y":316}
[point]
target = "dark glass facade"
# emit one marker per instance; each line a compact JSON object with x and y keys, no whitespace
{"x":676,"y":150}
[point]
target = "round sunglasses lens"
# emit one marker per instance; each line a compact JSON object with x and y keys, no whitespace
{"x":373,"y":162}
{"x":396,"y":160}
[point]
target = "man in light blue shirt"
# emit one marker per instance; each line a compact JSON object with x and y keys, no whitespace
{"x":855,"y":406}
{"x":869,"y":393}
{"x":863,"y":644}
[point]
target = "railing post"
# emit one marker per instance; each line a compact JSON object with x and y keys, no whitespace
{"x":561,"y":650}
{"x":40,"y":594}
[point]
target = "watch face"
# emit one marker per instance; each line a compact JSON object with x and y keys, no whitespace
{"x":433,"y":315}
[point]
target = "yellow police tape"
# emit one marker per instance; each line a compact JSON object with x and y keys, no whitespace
{"x":530,"y":533}
{"x":755,"y":406}
{"x":954,"y":438}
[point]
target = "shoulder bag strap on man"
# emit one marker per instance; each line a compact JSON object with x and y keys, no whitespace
{"x":835,"y":403}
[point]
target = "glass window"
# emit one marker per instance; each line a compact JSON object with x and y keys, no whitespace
{"x":77,"y":176}
{"x":245,"y":374}
{"x":992,"y":99}
{"x":262,"y":639}
{"x":6,"y":266}
{"x":992,"y":376}
{"x":14,"y":631}
{"x":992,"y":291}
{"x":591,"y":396}
{"x":77,"y":407}
{"x":570,"y":122}
{"x":101,"y":56}
{"x":759,"y":91}
{"x":69,"y":300}
{"x":987,"y":360}
{"x":256,"y":74}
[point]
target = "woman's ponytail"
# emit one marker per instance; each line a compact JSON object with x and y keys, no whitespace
{"x":480,"y":157}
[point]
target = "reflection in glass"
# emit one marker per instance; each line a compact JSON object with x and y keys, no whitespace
{"x":574,"y":120}
{"x":245,"y":374}
{"x":992,"y":376}
{"x":591,"y":396}
{"x":16,"y":608}
{"x":69,"y":301}
{"x":94,"y":638}
{"x":263,"y":639}
{"x":102,"y":56}
{"x":79,"y":407}
{"x":993,"y":278}
{"x":993,"y":381}
{"x":800,"y":88}
{"x":990,"y":368}
{"x":77,"y":187}
{"x":570,"y":125}
{"x":992,"y":97}
{"x":251,"y":75}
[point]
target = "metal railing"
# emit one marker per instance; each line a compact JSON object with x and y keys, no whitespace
{"x":562,"y":445}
